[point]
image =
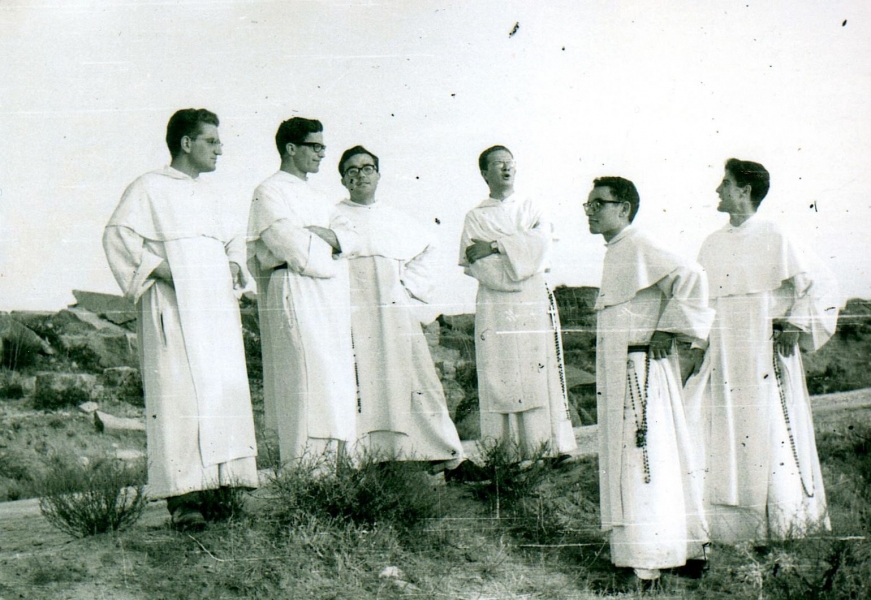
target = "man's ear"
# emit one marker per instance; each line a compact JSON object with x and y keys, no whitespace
{"x":290,"y":148}
{"x":186,"y":144}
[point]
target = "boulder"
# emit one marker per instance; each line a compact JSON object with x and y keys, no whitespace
{"x":469,"y":425}
{"x":120,"y":376}
{"x":88,"y":407}
{"x":96,"y":343}
{"x":129,"y":454}
{"x":125,"y":384}
{"x":19,"y":345}
{"x":115,"y":309}
{"x":577,"y":376}
{"x":454,"y":395}
{"x":106,"y":423}
{"x":57,"y":390}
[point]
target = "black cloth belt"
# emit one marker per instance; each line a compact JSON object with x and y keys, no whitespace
{"x":642,"y":348}
{"x":281,"y":266}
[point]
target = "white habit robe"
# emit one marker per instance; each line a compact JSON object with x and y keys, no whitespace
{"x":518,"y":346}
{"x":763,"y":476}
{"x":650,"y":496}
{"x":199,"y":424}
{"x":305,"y":318}
{"x":402,"y":413}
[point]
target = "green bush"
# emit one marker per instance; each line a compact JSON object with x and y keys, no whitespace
{"x":373,"y":491}
{"x":222,"y":503}
{"x":10,"y":386}
{"x":89,"y":500}
{"x":513,"y":472}
{"x":54,"y":399}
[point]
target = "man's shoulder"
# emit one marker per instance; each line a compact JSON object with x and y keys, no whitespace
{"x":283,"y":184}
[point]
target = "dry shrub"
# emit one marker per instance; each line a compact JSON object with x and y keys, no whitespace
{"x":512,"y":472}
{"x":223,"y":503}
{"x":89,"y":500}
{"x":373,"y":491}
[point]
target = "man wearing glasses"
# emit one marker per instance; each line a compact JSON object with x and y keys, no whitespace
{"x":179,"y":265}
{"x":304,"y":304}
{"x":505,"y":245}
{"x":650,"y":499}
{"x":402,"y":410}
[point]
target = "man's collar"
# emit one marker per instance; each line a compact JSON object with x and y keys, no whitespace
{"x":174,"y":173}
{"x":626,"y":231}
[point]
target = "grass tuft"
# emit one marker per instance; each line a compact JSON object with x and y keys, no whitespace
{"x":372,"y":491}
{"x":89,"y":500}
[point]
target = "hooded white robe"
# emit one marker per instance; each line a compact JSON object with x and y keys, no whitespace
{"x":650,"y":496}
{"x":763,"y":477}
{"x":518,"y":346}
{"x":402,"y":412}
{"x":199,"y":424}
{"x":305,"y":318}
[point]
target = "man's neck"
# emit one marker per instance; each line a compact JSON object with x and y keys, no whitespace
{"x":180,"y":164}
{"x":288,"y":167}
{"x":738,"y":219}
{"x":501,"y":193}
{"x":366,"y":200}
{"x":610,"y":235}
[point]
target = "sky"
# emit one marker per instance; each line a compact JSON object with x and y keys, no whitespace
{"x":661,"y":93}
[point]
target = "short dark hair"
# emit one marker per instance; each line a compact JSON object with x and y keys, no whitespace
{"x":294,"y":131}
{"x":752,"y":174}
{"x":354,"y":152}
{"x":622,"y":190}
{"x":482,"y":160}
{"x":186,"y":122}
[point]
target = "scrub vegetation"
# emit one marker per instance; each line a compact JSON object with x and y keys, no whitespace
{"x":327,"y":529}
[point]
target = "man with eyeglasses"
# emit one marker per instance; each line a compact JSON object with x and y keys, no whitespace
{"x":506,"y":245}
{"x":176,"y":261}
{"x":773,"y":298}
{"x":402,"y":412}
{"x":649,"y":484}
{"x":304,"y":304}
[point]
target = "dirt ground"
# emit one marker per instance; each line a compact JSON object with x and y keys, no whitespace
{"x":26,"y":536}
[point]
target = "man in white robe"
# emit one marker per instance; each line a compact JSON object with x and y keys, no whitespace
{"x":505,"y":245}
{"x":170,"y":255}
{"x":402,"y":412}
{"x":763,"y":478}
{"x":650,"y":501}
{"x":304,"y":302}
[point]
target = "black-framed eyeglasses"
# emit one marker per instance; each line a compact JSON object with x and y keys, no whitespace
{"x":597,"y":204}
{"x":365,"y":170}
{"x":316,"y":148}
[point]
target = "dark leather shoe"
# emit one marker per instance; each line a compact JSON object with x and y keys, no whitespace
{"x":186,"y":518}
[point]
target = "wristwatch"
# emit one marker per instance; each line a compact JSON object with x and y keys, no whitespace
{"x":494,"y":247}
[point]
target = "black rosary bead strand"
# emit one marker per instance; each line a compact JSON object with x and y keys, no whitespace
{"x":779,"y":377}
{"x":640,"y":428}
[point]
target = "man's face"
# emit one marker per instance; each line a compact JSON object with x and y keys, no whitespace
{"x":205,"y":149}
{"x":360,"y":176}
{"x":605,"y":214}
{"x":310,"y":153}
{"x":500,"y":170}
{"x":731,"y":196}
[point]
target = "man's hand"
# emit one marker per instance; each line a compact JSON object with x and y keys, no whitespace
{"x":327,"y":235}
{"x":786,"y":338}
{"x":162,"y":273}
{"x":697,"y":357}
{"x":239,"y":279}
{"x":661,"y":344}
{"x":478,"y":250}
